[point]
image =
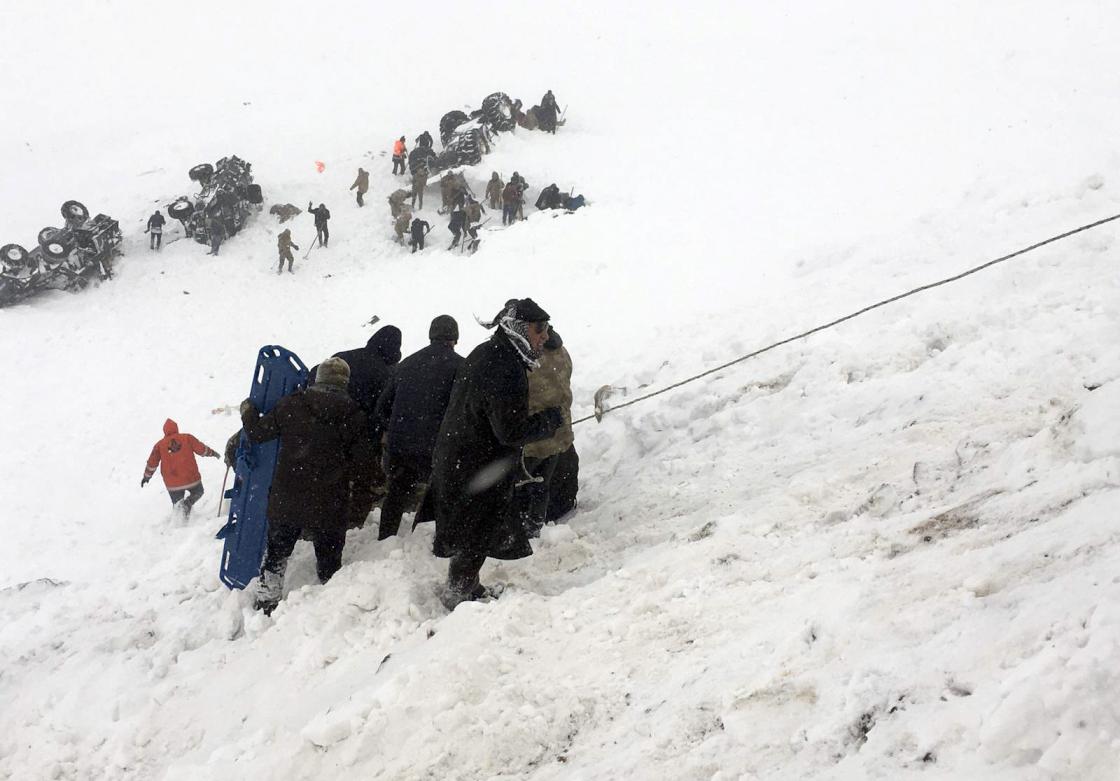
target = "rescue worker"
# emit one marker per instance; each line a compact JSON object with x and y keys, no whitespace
{"x":522,"y":186}
{"x":174,"y":455}
{"x":494,"y":191}
{"x":511,"y":195}
{"x":474,"y":211}
{"x":217,"y":235}
{"x":284,"y":246}
{"x":322,"y":215}
{"x":411,"y":409}
{"x":400,"y":156}
{"x":424,"y":140}
{"x":401,"y":224}
{"x":155,"y":227}
{"x":458,"y":222}
{"x":396,"y":202}
{"x":419,"y":182}
{"x":362,"y":185}
{"x":477,"y":455}
{"x":449,"y":185}
{"x":550,"y":385}
{"x":419,"y":230}
{"x":324,"y":448}
{"x":285,"y":211}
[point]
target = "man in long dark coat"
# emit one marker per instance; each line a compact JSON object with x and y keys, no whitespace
{"x":410,"y":411}
{"x":370,"y":369}
{"x":477,"y":458}
{"x":324,"y":443}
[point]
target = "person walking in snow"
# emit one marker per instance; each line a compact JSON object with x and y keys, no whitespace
{"x":522,"y":187}
{"x":322,"y":216}
{"x":324,"y":448}
{"x":474,"y":211}
{"x":155,"y":227}
{"x":174,"y":455}
{"x":419,"y":230}
{"x":476,"y":460}
{"x":361,"y":184}
{"x":400,"y":157}
{"x":494,"y":191}
{"x":511,"y":196}
{"x":284,"y":245}
{"x":410,"y":410}
{"x":548,"y":113}
{"x":550,"y":385}
{"x":457,"y":224}
{"x":424,"y":140}
{"x":419,"y":182}
{"x":217,"y":235}
{"x":371,"y":367}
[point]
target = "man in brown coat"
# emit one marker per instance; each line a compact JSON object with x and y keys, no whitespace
{"x":284,"y":245}
{"x":494,"y":191}
{"x":396,"y":202}
{"x":419,"y":182}
{"x":550,"y":385}
{"x":402,"y":223}
{"x":362,"y":184}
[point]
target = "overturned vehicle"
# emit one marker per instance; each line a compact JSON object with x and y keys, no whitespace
{"x":227,"y":198}
{"x":461,"y":147}
{"x":67,"y":258}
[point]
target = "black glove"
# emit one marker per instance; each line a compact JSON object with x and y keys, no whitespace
{"x":554,"y":418}
{"x":248,"y":408}
{"x":144,"y":481}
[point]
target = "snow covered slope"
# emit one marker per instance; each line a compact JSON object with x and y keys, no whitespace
{"x":887,"y":551}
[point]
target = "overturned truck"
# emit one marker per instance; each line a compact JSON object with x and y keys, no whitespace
{"x":67,"y":258}
{"x":227,"y":198}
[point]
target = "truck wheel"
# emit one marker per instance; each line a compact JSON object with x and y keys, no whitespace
{"x":13,"y":257}
{"x":55,"y":244}
{"x":181,"y":209}
{"x":74,"y":212}
{"x":201,"y":173}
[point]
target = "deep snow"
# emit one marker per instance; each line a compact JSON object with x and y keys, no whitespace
{"x":888,"y":550}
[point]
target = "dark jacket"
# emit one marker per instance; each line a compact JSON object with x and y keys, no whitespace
{"x":419,"y":228}
{"x":411,"y":407}
{"x":424,"y":140}
{"x":323,"y":447}
{"x":477,"y":454}
{"x":322,"y":214}
{"x":550,"y":198}
{"x":370,"y":367}
{"x":156,"y":221}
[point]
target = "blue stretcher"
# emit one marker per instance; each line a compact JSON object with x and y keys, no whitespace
{"x":279,"y":372}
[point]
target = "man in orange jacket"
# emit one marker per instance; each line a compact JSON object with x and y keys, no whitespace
{"x":400,"y":157}
{"x":174,"y":455}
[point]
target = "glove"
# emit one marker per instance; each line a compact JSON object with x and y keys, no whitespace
{"x":248,"y":408}
{"x":144,"y":481}
{"x":554,"y":418}
{"x":296,"y":246}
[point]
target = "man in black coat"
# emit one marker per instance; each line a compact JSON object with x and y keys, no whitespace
{"x":370,"y":369}
{"x":324,"y":445}
{"x":410,"y":411}
{"x":322,"y":215}
{"x":477,"y":456}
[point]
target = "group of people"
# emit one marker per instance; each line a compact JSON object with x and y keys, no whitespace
{"x":482,"y":446}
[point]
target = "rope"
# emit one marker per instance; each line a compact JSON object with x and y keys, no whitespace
{"x":865,"y":310}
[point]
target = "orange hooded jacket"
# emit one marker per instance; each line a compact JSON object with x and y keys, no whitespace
{"x":398,"y":148}
{"x":174,"y":454}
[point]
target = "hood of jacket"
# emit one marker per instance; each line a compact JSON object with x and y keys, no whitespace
{"x":170,"y":427}
{"x":386,"y":344}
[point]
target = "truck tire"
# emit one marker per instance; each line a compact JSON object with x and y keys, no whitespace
{"x":55,"y":244}
{"x":74,"y":212}
{"x":201,"y":173}
{"x":13,"y":257}
{"x":181,"y":209}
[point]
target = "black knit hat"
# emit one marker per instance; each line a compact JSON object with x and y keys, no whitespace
{"x":444,"y":329}
{"x":528,"y":311}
